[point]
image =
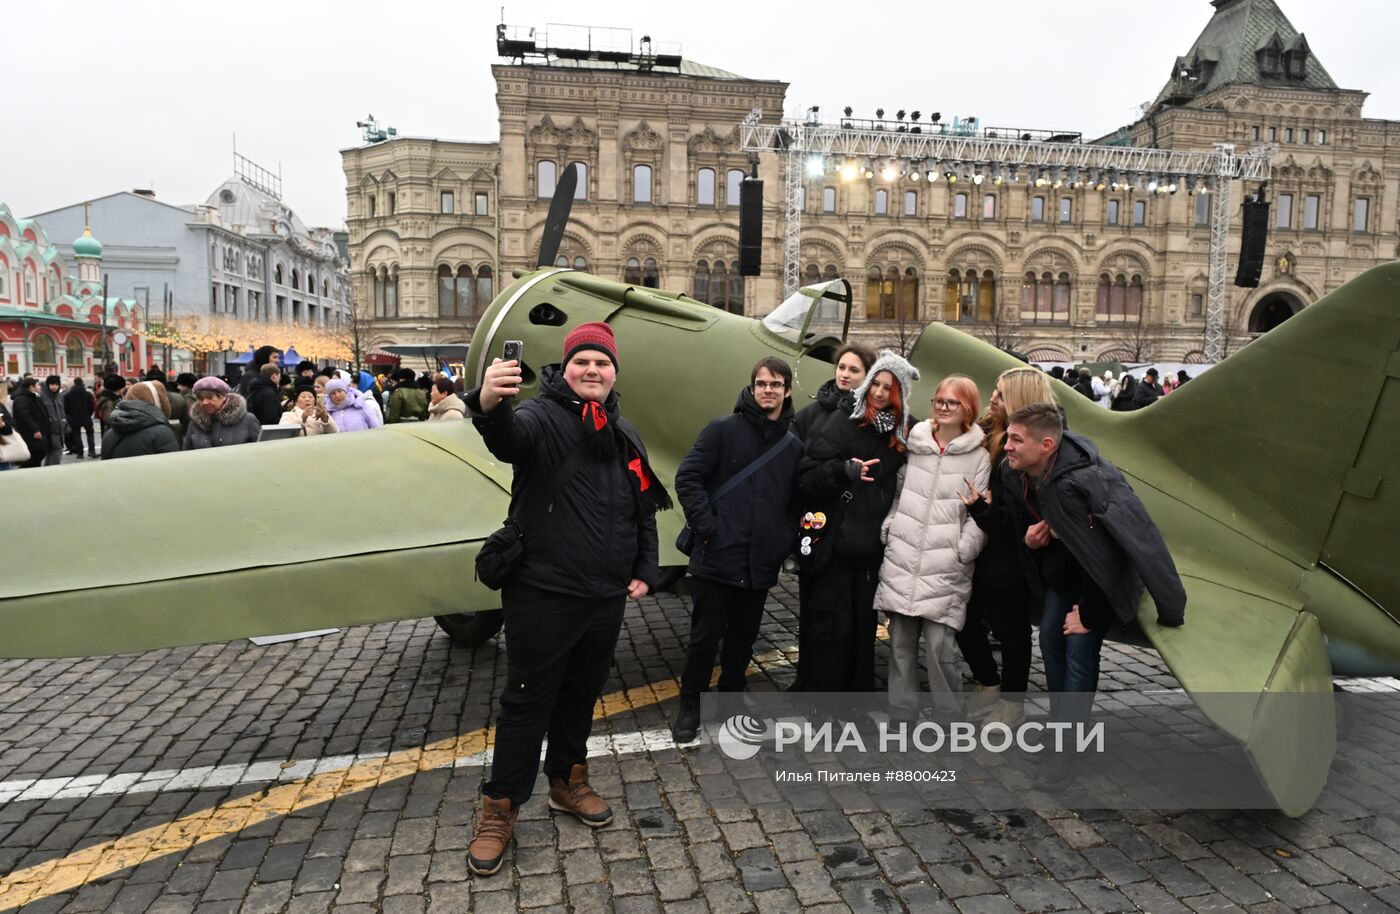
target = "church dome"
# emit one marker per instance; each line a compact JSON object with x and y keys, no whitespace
{"x":87,"y":246}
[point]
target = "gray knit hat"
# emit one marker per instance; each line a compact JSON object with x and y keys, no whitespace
{"x":905,"y":373}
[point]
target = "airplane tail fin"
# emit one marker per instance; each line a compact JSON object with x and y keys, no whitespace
{"x":1300,"y":431}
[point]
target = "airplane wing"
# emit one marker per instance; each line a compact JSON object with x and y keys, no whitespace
{"x":259,"y":539}
{"x":1256,"y":665}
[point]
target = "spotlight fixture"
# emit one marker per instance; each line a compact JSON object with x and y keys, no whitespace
{"x":847,"y":110}
{"x":889,"y":172}
{"x":913,"y":115}
{"x":1152,"y":186}
{"x":816,"y":167}
{"x":879,"y":114}
{"x":848,"y":171}
{"x":899,"y":115}
{"x":935,"y":117}
{"x":932,"y":175}
{"x":951,"y":176}
{"x":869,"y":169}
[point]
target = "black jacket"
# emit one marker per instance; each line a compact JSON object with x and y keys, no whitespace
{"x":29,"y":417}
{"x":999,"y":563}
{"x":596,"y":536}
{"x":1123,"y":402}
{"x":1145,"y":394}
{"x":7,"y":423}
{"x":825,"y":474}
{"x":79,"y":405}
{"x":742,"y":540}
{"x":813,"y":416}
{"x":53,"y":408}
{"x":1104,"y":527}
{"x":138,"y":428}
{"x":106,"y":402}
{"x":264,"y":401}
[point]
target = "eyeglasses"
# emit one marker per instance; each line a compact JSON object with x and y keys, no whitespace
{"x":769,"y":385}
{"x":948,"y":404}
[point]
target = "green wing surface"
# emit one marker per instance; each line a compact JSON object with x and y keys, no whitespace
{"x":258,"y":539}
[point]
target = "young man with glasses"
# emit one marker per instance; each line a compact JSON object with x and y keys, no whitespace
{"x":742,"y":532}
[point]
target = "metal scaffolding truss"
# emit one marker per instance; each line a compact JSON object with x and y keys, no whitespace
{"x":1220,"y":168}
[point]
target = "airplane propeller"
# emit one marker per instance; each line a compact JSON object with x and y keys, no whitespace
{"x":558,"y":218}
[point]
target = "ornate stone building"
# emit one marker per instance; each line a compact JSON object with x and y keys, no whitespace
{"x":1063,"y":273}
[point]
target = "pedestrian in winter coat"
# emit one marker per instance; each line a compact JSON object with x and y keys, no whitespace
{"x":264,"y":397}
{"x":1084,"y":383}
{"x":1091,"y":547}
{"x":563,"y":607}
{"x":263,"y":355}
{"x":853,"y":361}
{"x":113,"y":389}
{"x":79,"y":406}
{"x":850,"y":476}
{"x":51,"y":398}
{"x":7,"y":422}
{"x":1122,"y":398}
{"x":930,"y":547}
{"x":303,"y":410}
{"x":1001,"y":598}
{"x":1147,"y":391}
{"x":347,"y":407}
{"x":140,"y":424}
{"x":741,"y":539}
{"x":445,"y":402}
{"x":220,"y":417}
{"x":1102,"y":388}
{"x":408,"y":402}
{"x":31,"y":422}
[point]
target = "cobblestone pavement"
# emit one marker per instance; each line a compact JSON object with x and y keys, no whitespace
{"x":341,"y":774}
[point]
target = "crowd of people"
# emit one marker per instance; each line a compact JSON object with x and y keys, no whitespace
{"x":42,"y":421}
{"x":965,"y":523}
{"x":1124,"y":393}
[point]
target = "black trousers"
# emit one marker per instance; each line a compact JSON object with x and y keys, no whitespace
{"x":837,"y":627}
{"x":75,"y":439}
{"x":1008,"y":611}
{"x":723,"y":618}
{"x":559,"y":649}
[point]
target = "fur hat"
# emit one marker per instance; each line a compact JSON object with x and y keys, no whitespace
{"x":185,"y":379}
{"x":217,"y":385}
{"x":594,"y":335}
{"x":904,"y":373}
{"x":53,"y":379}
{"x":152,"y":392}
{"x":113,"y":383}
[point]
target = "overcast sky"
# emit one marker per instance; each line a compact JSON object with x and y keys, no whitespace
{"x":105,"y":97}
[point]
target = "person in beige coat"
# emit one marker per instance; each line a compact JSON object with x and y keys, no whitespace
{"x":445,"y":404}
{"x":930,"y":547}
{"x":303,"y":410}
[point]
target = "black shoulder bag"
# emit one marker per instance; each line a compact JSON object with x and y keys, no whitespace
{"x":685,"y":540}
{"x":502,"y":552}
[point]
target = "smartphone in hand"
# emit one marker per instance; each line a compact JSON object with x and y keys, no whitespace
{"x":512,"y":351}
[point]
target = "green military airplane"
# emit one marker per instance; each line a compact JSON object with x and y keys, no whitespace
{"x":1272,"y":477}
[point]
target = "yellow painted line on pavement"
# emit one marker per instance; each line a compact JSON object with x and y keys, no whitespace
{"x":68,"y":873}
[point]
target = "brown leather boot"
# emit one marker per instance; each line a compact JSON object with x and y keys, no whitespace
{"x":495,"y":824}
{"x":577,"y":797}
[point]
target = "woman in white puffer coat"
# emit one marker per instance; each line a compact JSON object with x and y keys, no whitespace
{"x":930,"y":547}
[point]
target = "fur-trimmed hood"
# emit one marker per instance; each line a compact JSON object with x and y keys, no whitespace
{"x":235,"y":408}
{"x":905,"y":373}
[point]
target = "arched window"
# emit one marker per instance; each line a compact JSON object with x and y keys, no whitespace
{"x":581,"y":264}
{"x":651,"y":274}
{"x":828,"y":199}
{"x":882,"y":202}
{"x":891,"y":293}
{"x":969,"y":296}
{"x":960,"y":206}
{"x":277,"y":274}
{"x":562,"y":261}
{"x":464,"y":291}
{"x":989,"y":206}
{"x":296,"y":279}
{"x":76,"y":351}
{"x":705,"y":187}
{"x":391,"y":293}
{"x":447,"y":294}
{"x":581,"y":188}
{"x":811,"y":274}
{"x":632,"y":271}
{"x":908,"y":298}
{"x":325,"y":288}
{"x":1118,"y":298}
{"x":30,"y":294}
{"x":641,"y":183}
{"x":485,"y":286}
{"x":45,"y":353}
{"x":702,"y":281}
{"x":544,"y":178}
{"x":716,"y":284}
{"x":733,"y":178}
{"x":911,"y":203}
{"x":377,"y":281}
{"x":1046,"y":298}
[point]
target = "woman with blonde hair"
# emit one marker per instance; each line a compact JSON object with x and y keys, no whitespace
{"x":1001,"y":597}
{"x":930,"y":547}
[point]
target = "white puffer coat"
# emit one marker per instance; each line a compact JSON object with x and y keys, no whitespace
{"x":930,"y":542}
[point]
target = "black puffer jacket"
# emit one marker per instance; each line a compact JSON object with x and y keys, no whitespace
{"x":138,"y":428}
{"x":29,"y":418}
{"x":830,"y":401}
{"x":742,"y":540}
{"x":596,"y":536}
{"x":1102,"y":523}
{"x":999,"y":563}
{"x":79,"y":404}
{"x":825,"y":475}
{"x":264,"y":401}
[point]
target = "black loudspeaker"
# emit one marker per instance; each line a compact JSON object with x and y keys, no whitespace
{"x":1253,"y":237}
{"x":750,"y":227}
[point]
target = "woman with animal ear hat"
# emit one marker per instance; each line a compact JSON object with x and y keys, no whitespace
{"x":849,"y":477}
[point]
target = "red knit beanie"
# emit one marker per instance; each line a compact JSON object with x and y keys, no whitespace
{"x":595,"y":335}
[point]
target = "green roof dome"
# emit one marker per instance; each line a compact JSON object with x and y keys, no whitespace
{"x":87,"y":246}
